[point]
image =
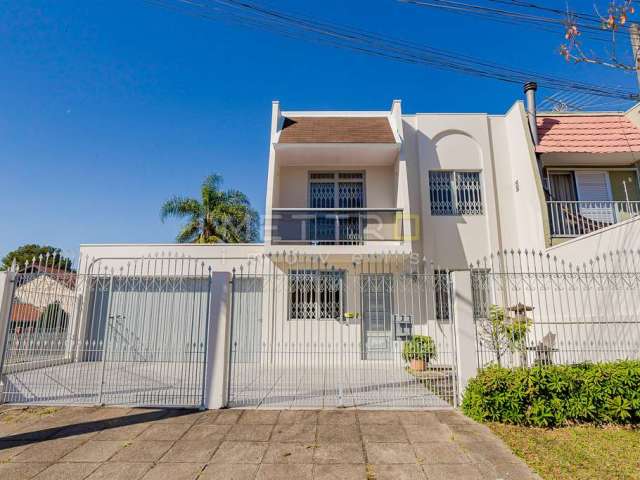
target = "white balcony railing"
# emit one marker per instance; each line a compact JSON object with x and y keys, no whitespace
{"x":335,"y":226}
{"x":571,"y":219}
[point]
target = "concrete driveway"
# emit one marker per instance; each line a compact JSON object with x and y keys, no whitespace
{"x":118,"y":443}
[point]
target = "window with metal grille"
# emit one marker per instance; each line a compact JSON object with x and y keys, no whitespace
{"x":455,"y":193}
{"x":315,"y":294}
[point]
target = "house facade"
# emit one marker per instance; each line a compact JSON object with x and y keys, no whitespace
{"x":381,"y":228}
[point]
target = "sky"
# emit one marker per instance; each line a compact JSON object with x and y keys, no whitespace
{"x":107,"y":108}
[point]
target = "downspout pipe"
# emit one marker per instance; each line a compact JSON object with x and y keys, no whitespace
{"x":530,"y":89}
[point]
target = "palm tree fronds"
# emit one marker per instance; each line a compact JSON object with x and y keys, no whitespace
{"x":180,"y":207}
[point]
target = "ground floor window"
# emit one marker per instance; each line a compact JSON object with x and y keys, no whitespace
{"x":315,"y":294}
{"x":441,"y":291}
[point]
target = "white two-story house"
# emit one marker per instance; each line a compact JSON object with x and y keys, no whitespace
{"x":368,"y":212}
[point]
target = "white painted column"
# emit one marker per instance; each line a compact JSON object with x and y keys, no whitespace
{"x":6,"y":292}
{"x":217,"y":359}
{"x":465,"y":329}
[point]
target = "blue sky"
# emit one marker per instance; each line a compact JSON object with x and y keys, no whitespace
{"x":109,"y":107}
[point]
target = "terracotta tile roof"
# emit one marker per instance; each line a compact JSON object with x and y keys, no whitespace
{"x":25,"y":312}
{"x":587,"y":134}
{"x":336,"y":130}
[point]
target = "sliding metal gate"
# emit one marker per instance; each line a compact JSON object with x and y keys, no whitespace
{"x":307,"y":334}
{"x":135,"y":335}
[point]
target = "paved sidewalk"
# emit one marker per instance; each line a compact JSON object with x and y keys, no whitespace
{"x":117,"y":444}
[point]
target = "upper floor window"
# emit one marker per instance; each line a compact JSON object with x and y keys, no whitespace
{"x":455,"y":193}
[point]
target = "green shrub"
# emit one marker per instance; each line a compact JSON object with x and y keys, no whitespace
{"x":419,"y":347}
{"x":554,"y":395}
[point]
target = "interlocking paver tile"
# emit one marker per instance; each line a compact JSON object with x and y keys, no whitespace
{"x":284,"y":472}
{"x":260,"y":417}
{"x":208,"y":417}
{"x":206,"y":432}
{"x":437,"y":432}
{"x":165,"y":431}
{"x":378,"y":417}
{"x":240,"y":452}
{"x":297,"y":432}
{"x":440,"y":452}
{"x":337,"y":417}
{"x":9,"y":449}
{"x":124,"y":432}
{"x":333,"y":453}
{"x":335,"y":433}
{"x":386,"y":453}
{"x":372,"y":432}
{"x":93,"y":451}
{"x":228,"y":417}
{"x":221,"y":471}
{"x":48,"y":451}
{"x":397,"y":472}
{"x":249,"y":432}
{"x":174,"y":471}
{"x":298,"y":416}
{"x":289,"y":453}
{"x":21,"y":471}
{"x":339,"y":472}
{"x":191,"y":451}
{"x":67,"y":471}
{"x":120,"y":471}
{"x":142,"y":451}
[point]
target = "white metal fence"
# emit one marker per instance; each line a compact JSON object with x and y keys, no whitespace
{"x":531,"y":308}
{"x":306,"y":334}
{"x":135,"y":335}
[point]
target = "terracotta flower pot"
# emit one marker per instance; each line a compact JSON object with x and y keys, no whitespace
{"x":417,"y":364}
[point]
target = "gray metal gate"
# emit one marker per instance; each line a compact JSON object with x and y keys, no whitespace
{"x":131,"y":335}
{"x":308,"y":334}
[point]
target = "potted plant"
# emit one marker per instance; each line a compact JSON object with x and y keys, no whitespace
{"x":418,"y":351}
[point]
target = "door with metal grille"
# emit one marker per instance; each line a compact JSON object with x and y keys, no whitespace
{"x":135,"y":337}
{"x":377,"y":298}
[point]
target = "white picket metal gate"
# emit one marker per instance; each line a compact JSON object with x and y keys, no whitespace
{"x":308,"y":335}
{"x":132,"y":335}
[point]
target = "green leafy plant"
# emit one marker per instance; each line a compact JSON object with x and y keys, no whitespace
{"x":556,"y":395}
{"x":420,"y":347}
{"x":502,"y":333}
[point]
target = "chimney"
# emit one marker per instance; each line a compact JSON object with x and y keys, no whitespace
{"x":530,"y":92}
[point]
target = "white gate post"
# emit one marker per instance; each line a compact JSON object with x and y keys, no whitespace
{"x":465,"y":329}
{"x":217,"y":358}
{"x":6,"y":292}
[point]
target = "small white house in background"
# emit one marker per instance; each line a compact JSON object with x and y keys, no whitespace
{"x":372,"y":221}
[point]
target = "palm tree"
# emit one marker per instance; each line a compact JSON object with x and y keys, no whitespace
{"x":220,"y":216}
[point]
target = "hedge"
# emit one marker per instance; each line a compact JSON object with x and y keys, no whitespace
{"x":556,"y":395}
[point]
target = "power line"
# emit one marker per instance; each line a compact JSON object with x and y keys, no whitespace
{"x":553,"y":25}
{"x":247,"y":13}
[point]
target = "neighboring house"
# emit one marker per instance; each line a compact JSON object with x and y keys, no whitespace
{"x":41,"y":286}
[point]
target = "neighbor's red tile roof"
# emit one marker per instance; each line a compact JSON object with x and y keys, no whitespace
{"x":24,"y":312}
{"x":336,"y":130}
{"x":587,"y":134}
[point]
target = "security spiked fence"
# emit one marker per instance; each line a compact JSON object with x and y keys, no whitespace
{"x":531,"y":308}
{"x":371,"y":331}
{"x":92,"y":333}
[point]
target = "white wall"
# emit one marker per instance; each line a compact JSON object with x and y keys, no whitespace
{"x":293,"y":182}
{"x":456,"y":142}
{"x":623,"y":236}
